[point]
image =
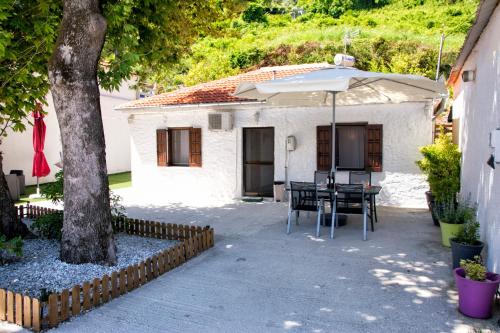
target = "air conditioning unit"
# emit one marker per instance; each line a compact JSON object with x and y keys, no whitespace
{"x":220,"y":121}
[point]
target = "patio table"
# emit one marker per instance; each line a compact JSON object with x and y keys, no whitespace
{"x":370,"y":192}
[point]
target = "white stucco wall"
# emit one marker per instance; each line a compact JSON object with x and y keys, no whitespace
{"x":477,"y":104}
{"x":405,"y":128}
{"x":17,"y":148}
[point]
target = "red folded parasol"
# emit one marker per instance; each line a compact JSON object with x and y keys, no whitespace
{"x":40,"y":166}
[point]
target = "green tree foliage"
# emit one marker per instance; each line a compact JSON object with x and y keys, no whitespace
{"x":395,"y":36}
{"x":27,"y":33}
{"x":441,"y":165}
{"x":142,"y":36}
{"x":254,"y":13}
{"x":335,"y":8}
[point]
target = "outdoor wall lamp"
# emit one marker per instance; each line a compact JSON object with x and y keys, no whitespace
{"x":495,"y":143}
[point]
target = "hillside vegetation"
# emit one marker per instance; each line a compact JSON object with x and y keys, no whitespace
{"x":388,"y":36}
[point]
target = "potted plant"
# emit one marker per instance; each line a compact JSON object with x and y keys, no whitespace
{"x":466,"y":244}
{"x":476,"y":288}
{"x":441,"y":165}
{"x":452,"y":217}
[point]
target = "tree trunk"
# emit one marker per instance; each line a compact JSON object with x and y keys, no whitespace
{"x":10,"y":225}
{"x":87,"y":232}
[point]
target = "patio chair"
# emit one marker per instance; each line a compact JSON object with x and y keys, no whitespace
{"x":365,"y":178}
{"x":324,"y":179}
{"x":352,"y":201}
{"x":304,"y":197}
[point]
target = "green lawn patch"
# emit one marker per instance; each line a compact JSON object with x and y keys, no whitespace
{"x":120,"y":180}
{"x":116,"y":181}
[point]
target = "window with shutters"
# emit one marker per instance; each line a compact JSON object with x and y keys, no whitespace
{"x":357,"y":147}
{"x":179,"y":147}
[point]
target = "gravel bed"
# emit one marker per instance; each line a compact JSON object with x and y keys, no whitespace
{"x":40,"y":266}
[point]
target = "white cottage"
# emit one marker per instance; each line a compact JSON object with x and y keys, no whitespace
{"x":475,"y":80}
{"x":202,"y":142}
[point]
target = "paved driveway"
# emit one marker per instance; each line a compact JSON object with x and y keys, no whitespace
{"x":258,"y":279}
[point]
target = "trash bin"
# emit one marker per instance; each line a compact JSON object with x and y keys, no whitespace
{"x":279,"y":191}
{"x":22,"y":180}
{"x":13,"y":184}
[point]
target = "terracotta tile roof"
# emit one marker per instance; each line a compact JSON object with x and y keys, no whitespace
{"x":219,"y":91}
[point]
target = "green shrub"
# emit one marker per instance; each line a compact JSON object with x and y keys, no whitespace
{"x":115,"y":202}
{"x":54,"y":191}
{"x":452,"y":212}
{"x":10,"y":248}
{"x":339,"y":7}
{"x":245,"y":58}
{"x":474,"y":269}
{"x":254,"y":13}
{"x":441,"y":165}
{"x":469,"y":234}
{"x":371,"y":22}
{"x":49,"y":226}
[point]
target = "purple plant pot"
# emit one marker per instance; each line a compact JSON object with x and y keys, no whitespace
{"x":475,"y":298}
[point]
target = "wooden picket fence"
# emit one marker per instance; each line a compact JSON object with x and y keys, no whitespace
{"x":32,"y":212}
{"x":33,"y":314}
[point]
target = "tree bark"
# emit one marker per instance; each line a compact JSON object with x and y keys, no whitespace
{"x":10,"y":225}
{"x":87,"y":232}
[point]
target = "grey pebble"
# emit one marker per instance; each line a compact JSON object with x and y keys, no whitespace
{"x":40,"y":266}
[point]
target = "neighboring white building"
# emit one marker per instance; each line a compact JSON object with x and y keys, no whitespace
{"x":17,"y":148}
{"x":177,"y":157}
{"x":476,"y":112}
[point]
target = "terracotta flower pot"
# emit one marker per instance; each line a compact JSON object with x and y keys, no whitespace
{"x":475,"y":298}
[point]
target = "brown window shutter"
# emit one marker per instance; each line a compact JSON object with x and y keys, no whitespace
{"x":324,"y":148}
{"x":161,"y":147}
{"x":374,"y":137}
{"x":195,"y":147}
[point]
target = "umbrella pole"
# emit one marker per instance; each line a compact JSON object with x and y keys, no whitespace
{"x":333,"y":169}
{"x":37,"y":186}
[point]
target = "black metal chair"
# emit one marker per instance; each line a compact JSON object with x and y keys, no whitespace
{"x":352,"y":201}
{"x":325,"y":179}
{"x":365,"y":178}
{"x":360,"y":177}
{"x":304,"y":197}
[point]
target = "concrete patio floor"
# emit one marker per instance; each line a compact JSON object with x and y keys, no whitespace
{"x":258,"y":279}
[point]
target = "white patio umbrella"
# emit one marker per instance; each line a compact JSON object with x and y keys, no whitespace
{"x":343,"y":86}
